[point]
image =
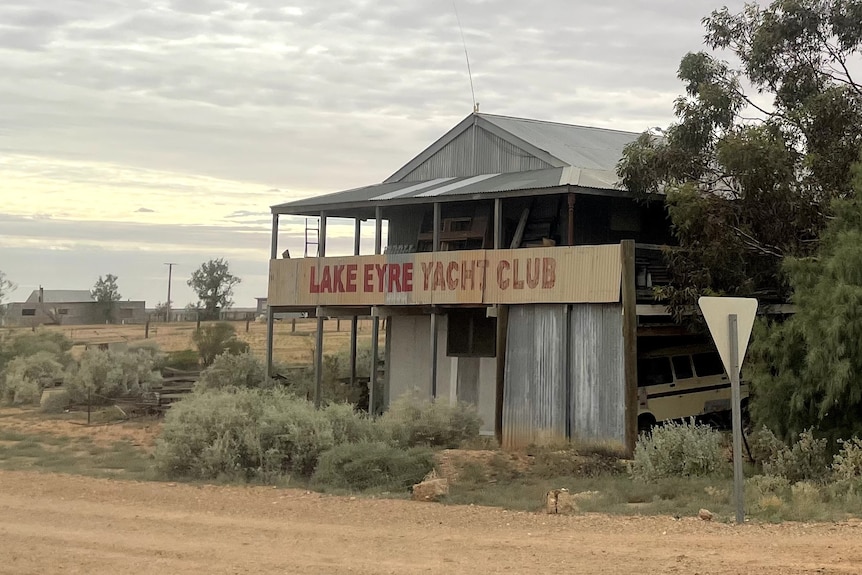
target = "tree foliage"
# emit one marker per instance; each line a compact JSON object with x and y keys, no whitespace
{"x":216,"y":339}
{"x":213,"y":283}
{"x":106,"y":293}
{"x":807,"y":371}
{"x":6,"y":287}
{"x":758,"y":151}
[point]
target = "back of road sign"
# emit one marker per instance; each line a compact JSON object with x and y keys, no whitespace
{"x":716,"y":311}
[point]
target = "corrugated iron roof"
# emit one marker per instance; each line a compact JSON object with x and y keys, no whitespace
{"x":587,"y":158}
{"x":577,"y":146}
{"x":61,"y":296}
{"x":402,"y":192}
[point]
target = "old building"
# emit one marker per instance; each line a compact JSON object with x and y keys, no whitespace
{"x":511,"y":277}
{"x":69,"y":307}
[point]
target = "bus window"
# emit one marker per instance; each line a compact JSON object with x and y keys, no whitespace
{"x":682,"y":367}
{"x":708,"y":363}
{"x":655,"y":371}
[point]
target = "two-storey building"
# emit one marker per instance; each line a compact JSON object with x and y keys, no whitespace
{"x":510,"y":278}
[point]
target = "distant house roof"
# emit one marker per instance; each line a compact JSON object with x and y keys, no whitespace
{"x":61,"y":296}
{"x":495,"y":156}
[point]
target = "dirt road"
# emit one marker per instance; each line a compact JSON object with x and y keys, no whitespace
{"x":69,"y":524}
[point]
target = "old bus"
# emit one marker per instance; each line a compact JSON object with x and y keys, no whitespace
{"x":682,"y":382}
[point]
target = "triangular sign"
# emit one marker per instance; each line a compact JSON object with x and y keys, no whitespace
{"x":717,"y":311}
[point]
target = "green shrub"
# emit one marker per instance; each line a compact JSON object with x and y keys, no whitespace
{"x":30,"y":343}
{"x":847,"y":466}
{"x":293,"y":435}
{"x":359,"y":466}
{"x":805,"y":460}
{"x":55,"y":401}
{"x":228,"y":370}
{"x":677,"y":450}
{"x":27,"y":375}
{"x":349,"y":425}
{"x":250,"y":433}
{"x":764,"y":444}
{"x":438,"y":424}
{"x":215,"y":339}
{"x":184,"y":360}
{"x":152,"y":348}
{"x":105,"y":375}
{"x":759,"y":486}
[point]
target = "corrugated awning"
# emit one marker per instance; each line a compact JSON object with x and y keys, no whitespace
{"x":549,"y":180}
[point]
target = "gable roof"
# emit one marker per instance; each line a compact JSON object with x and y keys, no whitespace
{"x":61,"y":296}
{"x":577,"y":146}
{"x":531,"y":156}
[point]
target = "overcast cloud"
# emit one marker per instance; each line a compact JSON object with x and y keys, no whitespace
{"x":137,"y":132}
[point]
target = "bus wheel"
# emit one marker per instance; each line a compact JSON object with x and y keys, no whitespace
{"x":646,"y":421}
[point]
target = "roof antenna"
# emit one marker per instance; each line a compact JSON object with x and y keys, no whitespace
{"x":467,"y":56}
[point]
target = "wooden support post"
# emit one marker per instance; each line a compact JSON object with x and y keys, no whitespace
{"x":435,"y":246}
{"x":630,"y":344}
{"x":502,"y":327}
{"x":498,"y":223}
{"x":293,"y":325}
{"x":354,"y":321}
{"x":433,"y":356}
{"x":435,"y":233}
{"x":318,"y":358}
{"x":147,"y":329}
{"x":318,"y":363}
{"x":375,"y":322}
{"x":571,"y":220}
{"x":270,"y":319}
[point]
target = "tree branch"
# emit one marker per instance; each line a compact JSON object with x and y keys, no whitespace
{"x":753,"y":243}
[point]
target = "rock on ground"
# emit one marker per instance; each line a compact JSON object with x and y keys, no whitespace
{"x":430,"y":490}
{"x":561,"y":501}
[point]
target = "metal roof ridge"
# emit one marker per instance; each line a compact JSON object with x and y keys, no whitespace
{"x":555,"y":123}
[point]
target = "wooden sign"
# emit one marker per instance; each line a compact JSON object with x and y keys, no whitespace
{"x":582,"y":274}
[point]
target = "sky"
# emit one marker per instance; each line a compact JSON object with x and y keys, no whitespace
{"x":139,"y":132}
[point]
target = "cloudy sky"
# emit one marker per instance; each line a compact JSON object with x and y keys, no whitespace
{"x":139,"y":132}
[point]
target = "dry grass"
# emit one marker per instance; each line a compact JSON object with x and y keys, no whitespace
{"x":290,"y":347}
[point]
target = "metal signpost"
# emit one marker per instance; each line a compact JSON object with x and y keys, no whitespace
{"x":730,"y":320}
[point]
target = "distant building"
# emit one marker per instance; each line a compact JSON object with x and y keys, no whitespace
{"x":69,"y":307}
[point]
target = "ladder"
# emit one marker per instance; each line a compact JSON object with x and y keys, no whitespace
{"x":312,"y":236}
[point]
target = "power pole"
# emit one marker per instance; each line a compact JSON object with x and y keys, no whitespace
{"x":168,"y":303}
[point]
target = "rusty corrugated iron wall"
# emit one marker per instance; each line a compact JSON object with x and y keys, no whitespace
{"x":596,"y":371}
{"x":534,"y":393}
{"x":564,"y":374}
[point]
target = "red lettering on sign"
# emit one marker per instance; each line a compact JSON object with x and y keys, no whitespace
{"x":439,"y":280}
{"x":534,"y":269}
{"x":549,"y":275}
{"x":351,"y":278}
{"x":337,"y":279}
{"x":468,"y":271}
{"x":407,"y":277}
{"x":501,"y":281}
{"x":451,"y":278}
{"x":517,"y":282}
{"x":313,"y":287}
{"x":381,"y":274}
{"x":368,"y":278}
{"x":326,"y":280}
{"x":394,"y":278}
{"x":482,"y":265}
{"x":427,"y":269}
